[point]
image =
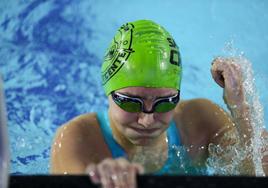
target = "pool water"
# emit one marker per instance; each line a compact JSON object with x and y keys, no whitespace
{"x":51,"y":52}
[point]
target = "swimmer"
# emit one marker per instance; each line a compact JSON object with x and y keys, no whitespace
{"x":141,"y":76}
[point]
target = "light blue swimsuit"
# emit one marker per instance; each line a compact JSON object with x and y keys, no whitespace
{"x":117,"y":151}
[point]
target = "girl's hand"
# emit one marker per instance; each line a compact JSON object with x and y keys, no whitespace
{"x":228,"y":75}
{"x":117,"y":173}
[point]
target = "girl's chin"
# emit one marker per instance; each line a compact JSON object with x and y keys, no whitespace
{"x":141,"y":141}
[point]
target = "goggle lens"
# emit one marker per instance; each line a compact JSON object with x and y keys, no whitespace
{"x":130,"y":106}
{"x":135,"y":104}
{"x":164,"y":107}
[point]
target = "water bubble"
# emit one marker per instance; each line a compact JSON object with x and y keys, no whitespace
{"x":233,"y":106}
{"x":114,"y":177}
{"x":165,"y":55}
{"x":201,"y":148}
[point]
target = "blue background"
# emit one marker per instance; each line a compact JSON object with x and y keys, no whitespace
{"x":51,"y":54}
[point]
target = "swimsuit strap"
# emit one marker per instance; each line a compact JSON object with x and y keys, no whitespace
{"x":116,"y":150}
{"x":173,"y":135}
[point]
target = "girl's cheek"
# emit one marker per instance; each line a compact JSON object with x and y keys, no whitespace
{"x":124,"y":117}
{"x":164,"y":117}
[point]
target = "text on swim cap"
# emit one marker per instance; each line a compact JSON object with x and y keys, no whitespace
{"x":174,"y":53}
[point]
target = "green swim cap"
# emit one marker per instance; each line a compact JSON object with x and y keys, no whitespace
{"x":143,"y":54}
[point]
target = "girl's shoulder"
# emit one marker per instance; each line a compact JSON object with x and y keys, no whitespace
{"x":78,"y":143}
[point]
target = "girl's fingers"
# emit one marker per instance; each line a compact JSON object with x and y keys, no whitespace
{"x":118,"y":173}
{"x":105,"y":173}
{"x":91,"y":170}
{"x":139,"y":168}
{"x":131,"y":177}
{"x":217,"y":71}
{"x":122,"y":170}
{"x":227,"y":73}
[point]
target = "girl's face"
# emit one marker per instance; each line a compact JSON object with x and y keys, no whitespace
{"x":141,"y":128}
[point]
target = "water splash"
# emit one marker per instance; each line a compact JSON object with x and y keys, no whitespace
{"x":177,"y":163}
{"x":257,"y":114}
{"x":229,"y":160}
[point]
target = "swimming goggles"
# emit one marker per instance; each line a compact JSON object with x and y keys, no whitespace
{"x":136,"y":104}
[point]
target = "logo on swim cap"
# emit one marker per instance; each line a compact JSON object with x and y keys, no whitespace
{"x":119,"y":52}
{"x":141,"y":54}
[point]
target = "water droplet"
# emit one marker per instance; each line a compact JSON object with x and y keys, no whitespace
{"x":233,"y":106}
{"x":165,"y":54}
